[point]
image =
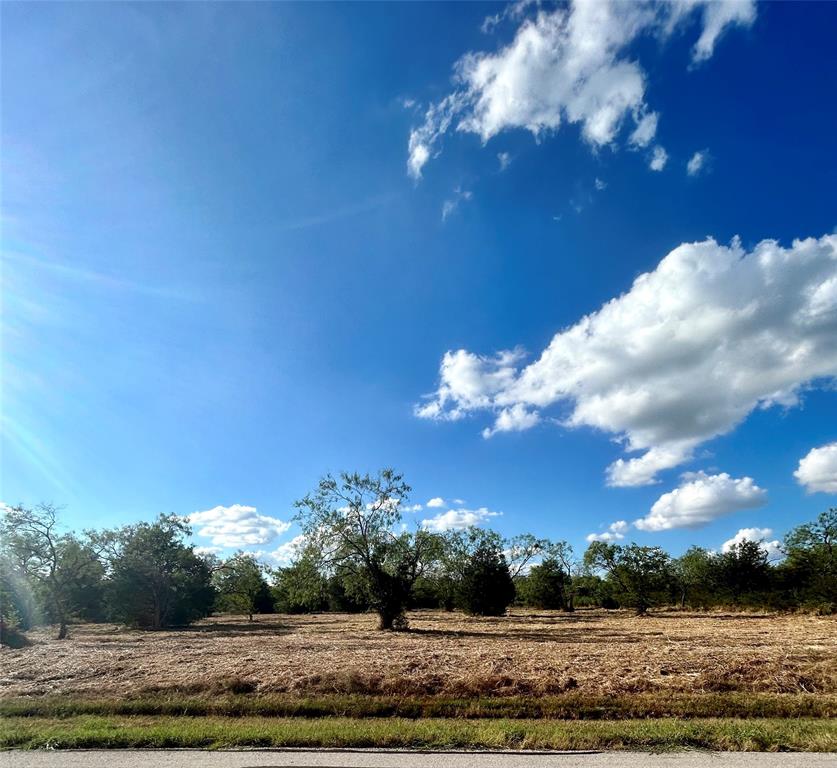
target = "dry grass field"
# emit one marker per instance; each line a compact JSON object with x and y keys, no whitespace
{"x":525,"y":653}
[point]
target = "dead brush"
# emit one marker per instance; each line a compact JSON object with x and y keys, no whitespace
{"x":525,"y":654}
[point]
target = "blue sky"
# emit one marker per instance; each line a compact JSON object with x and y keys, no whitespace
{"x":239,"y":240}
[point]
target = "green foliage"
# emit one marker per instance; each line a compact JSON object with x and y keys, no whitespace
{"x":486,"y":587}
{"x":809,"y":572}
{"x":62,"y":570}
{"x":743,"y":573}
{"x":351,"y":524}
{"x":642,"y":575}
{"x":18,"y":608}
{"x":241,"y":586}
{"x":156,"y":580}
{"x":696,"y":578}
{"x":301,"y":588}
{"x":358,"y":557}
{"x":545,"y":586}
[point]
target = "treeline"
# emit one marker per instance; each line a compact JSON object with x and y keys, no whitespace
{"x":359,"y":557}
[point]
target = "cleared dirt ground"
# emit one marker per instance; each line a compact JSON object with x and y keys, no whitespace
{"x":543,"y":652}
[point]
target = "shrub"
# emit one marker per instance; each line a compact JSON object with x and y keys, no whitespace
{"x":486,"y":588}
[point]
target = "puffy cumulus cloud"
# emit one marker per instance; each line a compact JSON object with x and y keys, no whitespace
{"x":817,"y":470}
{"x":700,"y":499}
{"x":643,"y":470}
{"x":573,"y":64}
{"x":436,"y":502}
{"x":458,"y":519}
{"x":285,"y":554}
{"x":773,"y":548}
{"x":615,"y":532}
{"x":514,"y":419}
{"x":697,"y":162}
{"x":469,"y":382}
{"x":684,"y":356}
{"x":237,"y":526}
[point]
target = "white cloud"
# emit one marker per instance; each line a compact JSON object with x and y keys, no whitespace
{"x":504,"y":158}
{"x":684,"y":356}
{"x":412,"y":508}
{"x":817,"y":470}
{"x":717,"y":17}
{"x":615,"y":532}
{"x":701,"y":499}
{"x":697,"y":162}
{"x":761,"y":535}
{"x":659,"y":158}
{"x":285,"y":554}
{"x":208,"y":550}
{"x":600,"y":184}
{"x":236,"y":526}
{"x":470,"y":382}
{"x":517,"y":418}
{"x":450,"y":206}
{"x":436,"y":502}
{"x":645,"y":131}
{"x":573,"y":64}
{"x":458,"y":519}
{"x":642,"y":470}
{"x":419,"y":155}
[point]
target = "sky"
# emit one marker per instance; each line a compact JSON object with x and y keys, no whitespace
{"x":572,"y":269}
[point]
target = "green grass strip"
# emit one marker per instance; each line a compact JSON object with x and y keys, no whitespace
{"x":214,"y":733}
{"x":570,"y":706}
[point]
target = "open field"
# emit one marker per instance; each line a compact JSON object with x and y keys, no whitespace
{"x":591,"y":653}
{"x":531,"y":680}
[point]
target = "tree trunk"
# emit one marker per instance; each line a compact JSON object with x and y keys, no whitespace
{"x":392,"y":620}
{"x":61,"y":616}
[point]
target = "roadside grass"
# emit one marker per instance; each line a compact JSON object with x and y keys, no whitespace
{"x":568,"y":706}
{"x":88,"y":731}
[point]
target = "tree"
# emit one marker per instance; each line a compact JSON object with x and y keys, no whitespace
{"x":18,"y":608}
{"x":545,"y":586}
{"x":65,"y":569}
{"x":156,"y":580}
{"x":241,"y":585}
{"x":563,"y":554}
{"x":641,"y":574}
{"x":486,"y":588}
{"x":351,"y":523}
{"x":520,"y":550}
{"x":811,"y":563}
{"x":743,"y":570}
{"x":300,"y":587}
{"x":695,"y":575}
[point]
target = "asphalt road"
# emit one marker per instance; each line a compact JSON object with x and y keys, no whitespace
{"x":393,"y":759}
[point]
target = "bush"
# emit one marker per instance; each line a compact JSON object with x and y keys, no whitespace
{"x":486,"y":588}
{"x":12,"y":637}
